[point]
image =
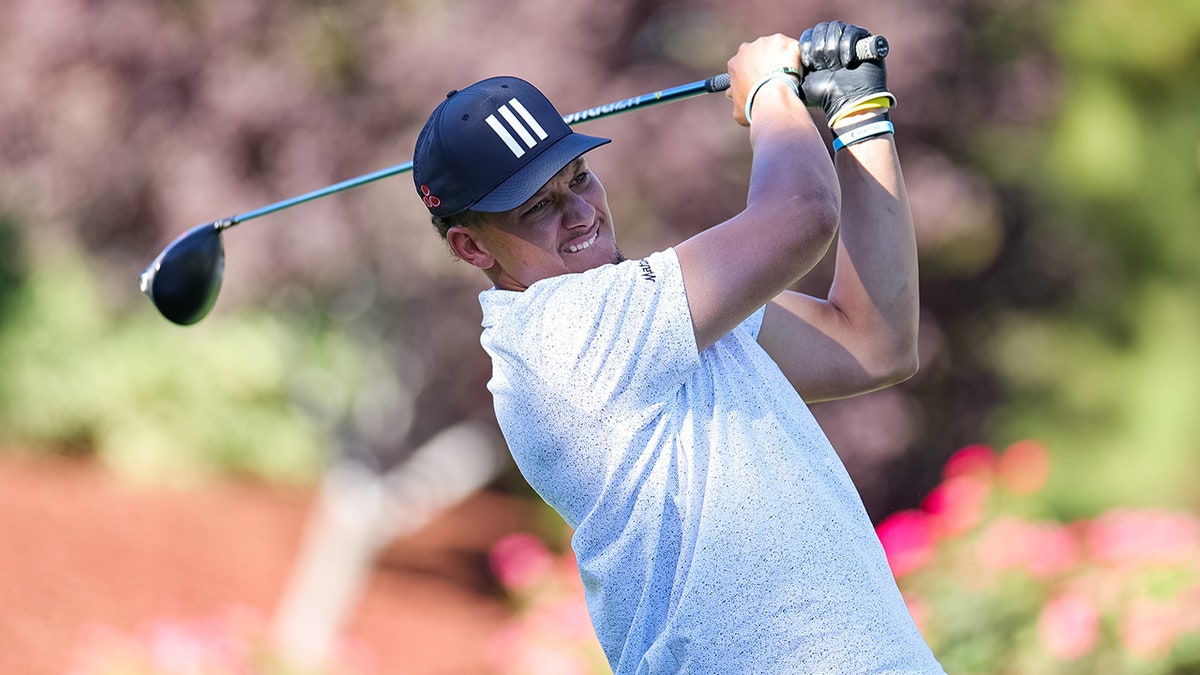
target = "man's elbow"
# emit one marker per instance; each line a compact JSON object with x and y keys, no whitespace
{"x":891,"y":364}
{"x":906,"y":367}
{"x":807,"y":228}
{"x":802,"y":224}
{"x":823,"y":212}
{"x":901,"y":364}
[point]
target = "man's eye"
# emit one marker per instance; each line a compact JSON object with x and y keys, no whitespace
{"x":537,"y":207}
{"x":581,"y":178}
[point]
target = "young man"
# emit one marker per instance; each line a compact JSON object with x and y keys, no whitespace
{"x":658,"y":404}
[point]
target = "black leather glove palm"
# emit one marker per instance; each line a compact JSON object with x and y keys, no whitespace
{"x":834,"y":79}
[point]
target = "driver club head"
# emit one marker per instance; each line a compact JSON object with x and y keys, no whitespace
{"x":184,"y":280}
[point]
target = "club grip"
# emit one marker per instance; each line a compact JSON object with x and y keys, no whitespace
{"x":866,"y":49}
{"x":717,"y":83}
{"x":870,"y":48}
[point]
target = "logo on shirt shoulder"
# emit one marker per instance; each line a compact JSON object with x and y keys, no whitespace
{"x":647,"y":271}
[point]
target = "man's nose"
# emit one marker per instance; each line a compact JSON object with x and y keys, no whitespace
{"x":578,"y":212}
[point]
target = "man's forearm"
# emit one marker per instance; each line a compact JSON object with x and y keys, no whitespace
{"x":875,"y":284}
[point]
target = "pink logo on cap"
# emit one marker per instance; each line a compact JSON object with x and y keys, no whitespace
{"x":431,"y":200}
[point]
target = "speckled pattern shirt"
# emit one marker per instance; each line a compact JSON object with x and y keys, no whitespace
{"x":715,"y":528}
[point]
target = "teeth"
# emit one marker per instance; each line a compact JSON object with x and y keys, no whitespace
{"x":576,"y":248}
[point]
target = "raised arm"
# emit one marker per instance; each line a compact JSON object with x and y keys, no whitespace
{"x":863,"y":336}
{"x":791,"y":215}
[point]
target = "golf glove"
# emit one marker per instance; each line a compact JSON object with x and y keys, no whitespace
{"x":838,"y":88}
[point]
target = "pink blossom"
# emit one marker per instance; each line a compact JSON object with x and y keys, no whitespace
{"x":1054,"y":550}
{"x":233,"y":642}
{"x":1189,"y":603}
{"x":1002,"y":545}
{"x":179,"y":647}
{"x":520,"y":560}
{"x":1069,"y":626}
{"x":973,"y":460}
{"x":505,"y":645}
{"x":533,"y":646}
{"x":1127,"y":537}
{"x":565,"y":617}
{"x":1149,"y":628}
{"x":956,"y":505}
{"x":1041,"y":549}
{"x":908,"y":540}
{"x":1024,"y":467}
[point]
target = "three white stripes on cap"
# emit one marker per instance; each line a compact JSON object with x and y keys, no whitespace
{"x":521,"y":129}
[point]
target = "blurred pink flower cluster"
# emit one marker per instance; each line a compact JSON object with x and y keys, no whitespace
{"x":551,"y":633}
{"x":233,"y":643}
{"x":1120,"y":590}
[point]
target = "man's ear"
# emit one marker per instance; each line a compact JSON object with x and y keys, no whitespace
{"x":466,"y":247}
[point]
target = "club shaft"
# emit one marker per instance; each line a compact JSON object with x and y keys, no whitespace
{"x":712,"y":84}
{"x":315,"y":194}
{"x":867,"y":48}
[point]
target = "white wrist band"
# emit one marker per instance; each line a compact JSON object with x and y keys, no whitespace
{"x":862,"y":133}
{"x":773,"y":75}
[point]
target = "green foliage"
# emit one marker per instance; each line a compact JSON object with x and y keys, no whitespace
{"x":152,"y":399}
{"x":11,"y":265}
{"x":1120,"y":412}
{"x":1109,"y":374}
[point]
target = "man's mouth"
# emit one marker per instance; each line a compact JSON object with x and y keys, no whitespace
{"x":576,"y":248}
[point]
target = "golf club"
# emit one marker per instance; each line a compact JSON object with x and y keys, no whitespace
{"x":184,"y":280}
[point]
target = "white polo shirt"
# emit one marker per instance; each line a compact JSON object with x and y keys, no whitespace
{"x":716,"y":529}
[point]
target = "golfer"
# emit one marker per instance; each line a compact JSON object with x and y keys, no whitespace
{"x":659,"y":404}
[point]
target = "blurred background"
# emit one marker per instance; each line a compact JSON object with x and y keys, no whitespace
{"x":337,"y":390}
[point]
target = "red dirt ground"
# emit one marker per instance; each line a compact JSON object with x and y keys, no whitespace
{"x":80,"y":547}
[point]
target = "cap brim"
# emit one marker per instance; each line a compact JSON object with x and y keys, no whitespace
{"x":522,"y":185}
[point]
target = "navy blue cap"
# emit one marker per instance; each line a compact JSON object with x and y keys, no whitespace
{"x":491,"y":146}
